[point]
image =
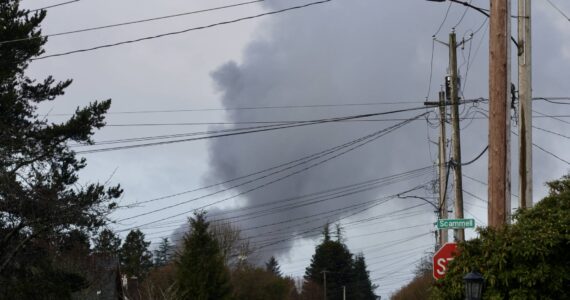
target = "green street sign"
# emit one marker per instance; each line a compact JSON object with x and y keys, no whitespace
{"x":455,"y":223}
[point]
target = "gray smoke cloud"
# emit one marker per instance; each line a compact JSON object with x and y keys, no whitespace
{"x":340,"y":52}
{"x":345,"y":52}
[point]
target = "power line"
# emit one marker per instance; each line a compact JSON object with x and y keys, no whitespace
{"x":554,"y":100}
{"x":539,"y":147}
{"x":232,"y":132}
{"x":239,"y":123}
{"x":476,"y":158}
{"x":403,"y":102}
{"x":126,"y":23}
{"x":313,"y":218}
{"x":52,"y":6}
{"x":443,"y":21}
{"x":559,"y":10}
{"x":253,"y":130}
{"x":374,"y":136}
{"x":552,"y":132}
{"x":463,"y":15}
{"x":546,"y":151}
{"x":308,"y":231}
{"x":183,"y":31}
{"x":306,"y":235}
{"x":557,"y":118}
{"x":367,"y":205}
{"x":302,"y":160}
{"x":306,"y":200}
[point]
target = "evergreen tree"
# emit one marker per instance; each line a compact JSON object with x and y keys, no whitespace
{"x":40,"y":200}
{"x":201,"y":273}
{"x":528,"y":259}
{"x":272,"y":266}
{"x":136,"y":259}
{"x":361,"y":288}
{"x":333,"y":258}
{"x":163,"y":253}
{"x":76,"y":241}
{"x":107,"y":242}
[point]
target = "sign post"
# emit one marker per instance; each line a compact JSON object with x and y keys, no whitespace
{"x":441,"y":258}
{"x":455,"y":223}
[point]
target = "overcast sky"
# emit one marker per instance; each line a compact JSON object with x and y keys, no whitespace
{"x":339,"y":52}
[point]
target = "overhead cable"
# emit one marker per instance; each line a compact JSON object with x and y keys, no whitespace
{"x":363,"y":141}
{"x":124,"y":23}
{"x":52,"y":6}
{"x":182,"y":31}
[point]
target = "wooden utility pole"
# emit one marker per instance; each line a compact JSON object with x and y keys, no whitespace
{"x":525,"y":104}
{"x":443,"y":237}
{"x":499,"y":118}
{"x":456,"y":136}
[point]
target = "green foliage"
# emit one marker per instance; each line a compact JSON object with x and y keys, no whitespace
{"x":200,"y":270}
{"x":136,"y":259}
{"x":361,"y":287}
{"x":272,"y":266}
{"x":252,"y":283}
{"x":42,"y":206}
{"x":163,"y":253}
{"x":107,"y":242}
{"x":334,"y":258}
{"x":526,"y":260}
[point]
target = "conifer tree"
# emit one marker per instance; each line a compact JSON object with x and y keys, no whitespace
{"x":107,"y":242}
{"x":136,"y":259}
{"x":200,"y":270}
{"x":40,"y":200}
{"x":361,"y":288}
{"x":334,"y":258}
{"x":163,"y":253}
{"x":272,"y":266}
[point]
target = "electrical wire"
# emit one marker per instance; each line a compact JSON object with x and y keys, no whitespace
{"x":476,"y":158}
{"x":463,"y":15}
{"x":552,"y":132}
{"x":52,"y":6}
{"x":342,"y":105}
{"x":260,"y":129}
{"x":374,"y":137}
{"x":125,"y":23}
{"x":443,"y":21}
{"x":182,"y":31}
{"x":546,"y":151}
{"x":239,"y":123}
{"x":368,"y":205}
{"x":559,"y":10}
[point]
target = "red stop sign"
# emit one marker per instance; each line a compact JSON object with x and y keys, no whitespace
{"x":441,"y":258}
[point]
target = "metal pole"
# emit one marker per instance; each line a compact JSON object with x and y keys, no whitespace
{"x":343,"y":292}
{"x":525,"y":104}
{"x":499,"y":118}
{"x":456,"y":136}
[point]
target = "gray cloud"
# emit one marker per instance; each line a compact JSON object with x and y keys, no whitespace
{"x":336,"y":53}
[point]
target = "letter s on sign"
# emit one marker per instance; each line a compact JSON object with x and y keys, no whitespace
{"x":441,"y":266}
